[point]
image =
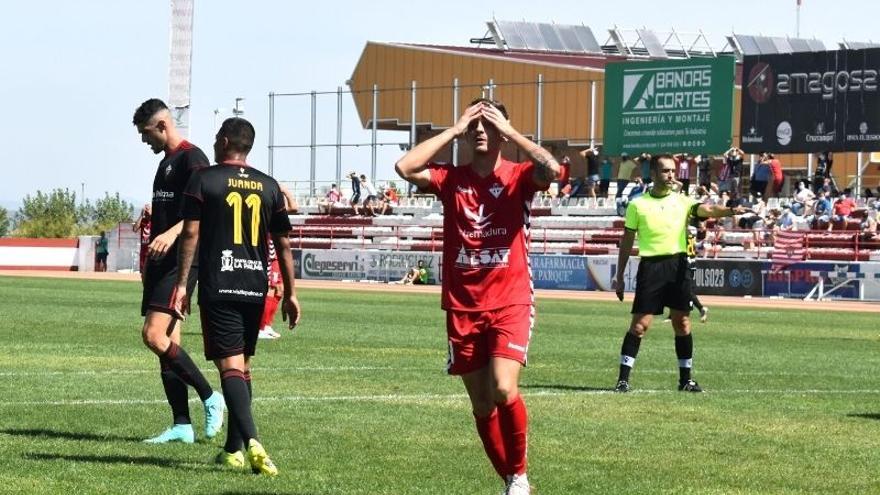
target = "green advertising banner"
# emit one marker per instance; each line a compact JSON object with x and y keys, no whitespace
{"x":669,"y":106}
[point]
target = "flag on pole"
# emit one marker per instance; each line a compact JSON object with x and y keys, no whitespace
{"x":788,"y":248}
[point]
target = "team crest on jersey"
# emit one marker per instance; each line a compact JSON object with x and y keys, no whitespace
{"x":168,"y":170}
{"x":226,"y":261}
{"x":496,"y":189}
{"x":241,"y":173}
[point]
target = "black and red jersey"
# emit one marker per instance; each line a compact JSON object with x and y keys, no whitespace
{"x":168,"y":185}
{"x":238,"y":208}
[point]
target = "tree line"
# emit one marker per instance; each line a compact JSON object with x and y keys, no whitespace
{"x":57,"y":214}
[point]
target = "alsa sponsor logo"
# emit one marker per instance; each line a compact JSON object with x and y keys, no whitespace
{"x":229,"y":264}
{"x":464,"y":190}
{"x":483,"y":258}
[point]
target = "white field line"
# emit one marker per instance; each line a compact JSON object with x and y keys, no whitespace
{"x":431,"y":398}
{"x":437,"y":369}
{"x":155,"y":371}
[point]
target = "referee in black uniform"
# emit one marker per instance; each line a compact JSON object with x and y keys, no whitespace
{"x":660,"y":219}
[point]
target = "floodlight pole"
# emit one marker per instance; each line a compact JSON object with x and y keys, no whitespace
{"x":491,"y":86}
{"x":412,"y":116}
{"x":540,"y":110}
{"x":375,"y":127}
{"x":338,"y":134}
{"x":592,"y":113}
{"x":313,"y":147}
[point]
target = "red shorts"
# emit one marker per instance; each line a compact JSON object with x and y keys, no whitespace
{"x":477,"y":336}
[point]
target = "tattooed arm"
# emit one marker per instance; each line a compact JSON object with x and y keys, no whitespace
{"x":547,"y":169}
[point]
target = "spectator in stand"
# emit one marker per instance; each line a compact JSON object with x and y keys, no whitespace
{"x":605,"y":177}
{"x":731,"y":171}
{"x":787,"y":220}
{"x":683,"y":164}
{"x":355,"y":192}
{"x":843,"y":209}
{"x":645,"y":164}
{"x":760,"y":177}
{"x":624,"y":173}
{"x":371,"y":201}
{"x":331,"y":199}
{"x":821,"y":211}
{"x":142,"y":225}
{"x":774,"y":187}
{"x":828,"y":187}
{"x":803,"y":200}
{"x":591,"y":155}
{"x":869,"y":193}
{"x":101,"y":253}
{"x":823,"y":170}
{"x":869,"y":226}
{"x":417,"y":275}
{"x":704,"y":172}
{"x":389,"y":197}
{"x":290,"y":204}
{"x":702,"y":194}
{"x":717,"y":243}
{"x":638,"y":188}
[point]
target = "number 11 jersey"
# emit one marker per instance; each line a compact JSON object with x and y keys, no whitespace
{"x":238,"y":207}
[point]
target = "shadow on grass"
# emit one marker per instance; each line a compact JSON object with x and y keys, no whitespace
{"x":67,"y":435}
{"x":864,"y":415}
{"x":268,"y":493}
{"x":162,"y":462}
{"x":576,"y":388}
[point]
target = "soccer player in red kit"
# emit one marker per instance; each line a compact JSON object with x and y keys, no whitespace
{"x":487,"y":287}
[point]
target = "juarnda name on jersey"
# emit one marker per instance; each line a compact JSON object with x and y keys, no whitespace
{"x":245,"y":184}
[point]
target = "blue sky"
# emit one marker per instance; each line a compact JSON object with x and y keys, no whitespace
{"x":75,"y":71}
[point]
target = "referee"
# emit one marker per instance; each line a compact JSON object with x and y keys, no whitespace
{"x":660,"y":219}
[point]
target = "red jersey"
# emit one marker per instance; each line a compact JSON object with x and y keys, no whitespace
{"x":485,"y":235}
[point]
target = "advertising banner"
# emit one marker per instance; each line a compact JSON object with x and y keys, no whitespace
{"x":560,"y":272}
{"x":383,"y":266}
{"x":669,"y":106}
{"x":797,"y":281}
{"x":810,"y":102}
{"x":728,"y":277}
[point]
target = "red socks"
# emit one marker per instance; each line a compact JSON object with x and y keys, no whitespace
{"x":489,"y":429}
{"x":269,"y":309}
{"x":514,"y":422}
{"x":504,"y":433}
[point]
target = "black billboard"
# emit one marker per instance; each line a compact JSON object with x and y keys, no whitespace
{"x":811,"y":102}
{"x":728,"y":277}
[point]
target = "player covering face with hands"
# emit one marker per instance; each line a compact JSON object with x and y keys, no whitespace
{"x":487,"y":291}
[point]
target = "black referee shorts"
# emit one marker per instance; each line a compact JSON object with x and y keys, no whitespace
{"x":230,"y":328}
{"x":662,"y":281}
{"x":160,"y":278}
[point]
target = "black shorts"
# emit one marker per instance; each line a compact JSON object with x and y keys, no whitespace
{"x":230,"y":328}
{"x":662,"y":281}
{"x":160,"y":278}
{"x":101,"y":257}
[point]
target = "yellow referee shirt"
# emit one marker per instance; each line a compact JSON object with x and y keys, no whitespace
{"x":660,"y":223}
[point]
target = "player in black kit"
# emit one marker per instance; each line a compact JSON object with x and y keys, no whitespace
{"x":230,"y":210}
{"x":161,"y":331}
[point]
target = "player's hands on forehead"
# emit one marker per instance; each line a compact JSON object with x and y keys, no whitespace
{"x":496,"y":118}
{"x":470,"y":114}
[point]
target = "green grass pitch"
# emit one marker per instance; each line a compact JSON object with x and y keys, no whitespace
{"x":357,"y":402}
